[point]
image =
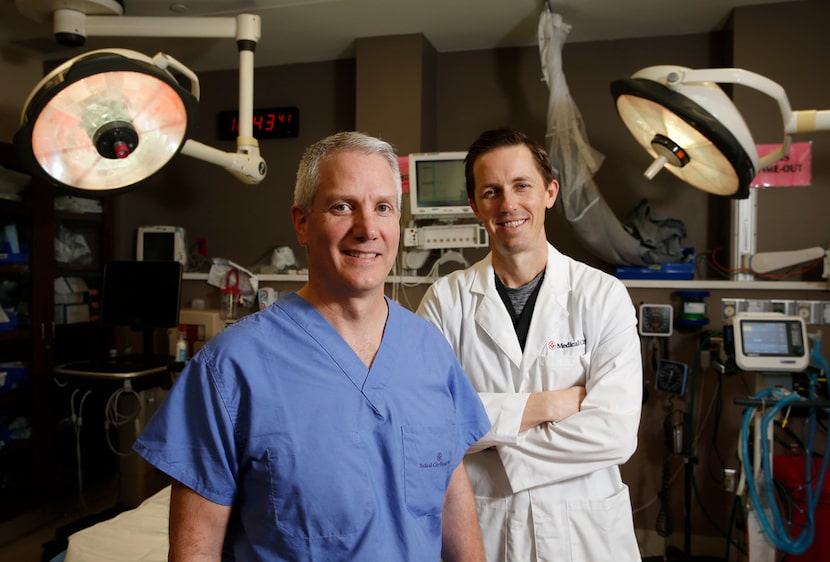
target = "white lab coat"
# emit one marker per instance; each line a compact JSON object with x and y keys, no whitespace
{"x":552,"y":493}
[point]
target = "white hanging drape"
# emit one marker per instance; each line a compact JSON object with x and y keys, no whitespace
{"x":576,"y":160}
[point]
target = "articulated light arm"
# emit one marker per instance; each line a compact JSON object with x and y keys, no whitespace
{"x":245,"y":164}
{"x":794,"y":122}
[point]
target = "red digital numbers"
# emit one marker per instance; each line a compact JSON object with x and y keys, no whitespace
{"x":267,"y":123}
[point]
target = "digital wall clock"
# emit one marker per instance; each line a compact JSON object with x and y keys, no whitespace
{"x":268,"y":123}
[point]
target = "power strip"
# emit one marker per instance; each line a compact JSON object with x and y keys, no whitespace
{"x":446,"y":236}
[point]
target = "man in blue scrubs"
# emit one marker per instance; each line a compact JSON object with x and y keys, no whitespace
{"x":331,"y":425}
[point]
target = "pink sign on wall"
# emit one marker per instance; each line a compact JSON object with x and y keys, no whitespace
{"x":403,"y":164}
{"x":790,"y":171}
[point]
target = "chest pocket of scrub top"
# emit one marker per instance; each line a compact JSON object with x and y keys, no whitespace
{"x":428,"y":459}
{"x":317,"y":497}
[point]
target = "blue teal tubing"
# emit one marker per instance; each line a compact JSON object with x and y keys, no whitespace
{"x":776,"y":530}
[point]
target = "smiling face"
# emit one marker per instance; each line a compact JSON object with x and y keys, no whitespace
{"x":511,"y":198}
{"x":352,"y":229}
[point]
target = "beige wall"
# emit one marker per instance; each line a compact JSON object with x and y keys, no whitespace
{"x":794,"y":55}
{"x":20,"y":74}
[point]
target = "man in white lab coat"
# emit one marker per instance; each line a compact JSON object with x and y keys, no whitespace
{"x":551,"y":346}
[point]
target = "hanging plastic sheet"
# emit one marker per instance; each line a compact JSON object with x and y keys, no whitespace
{"x":577,"y":162}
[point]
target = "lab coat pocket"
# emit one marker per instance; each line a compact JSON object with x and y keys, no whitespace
{"x":602,"y":529}
{"x":314,"y":498}
{"x":429,"y":459}
{"x":494,"y":514}
{"x":559,"y":372}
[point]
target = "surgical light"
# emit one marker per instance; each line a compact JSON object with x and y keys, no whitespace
{"x":106,"y":120}
{"x":689,"y":126}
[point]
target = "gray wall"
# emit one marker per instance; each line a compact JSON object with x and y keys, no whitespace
{"x":242,"y":222}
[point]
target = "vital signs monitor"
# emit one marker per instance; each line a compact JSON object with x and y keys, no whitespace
{"x":770,"y":342}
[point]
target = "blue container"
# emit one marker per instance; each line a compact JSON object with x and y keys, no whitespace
{"x":6,"y":256}
{"x":13,"y":376}
{"x":685,"y":270}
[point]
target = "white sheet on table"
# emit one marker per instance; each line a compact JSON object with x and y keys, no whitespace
{"x":137,"y":535}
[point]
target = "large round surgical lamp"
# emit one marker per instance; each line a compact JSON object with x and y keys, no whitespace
{"x":106,"y":120}
{"x":691,"y":127}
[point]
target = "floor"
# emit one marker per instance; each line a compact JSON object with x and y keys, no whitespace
{"x":30,"y":547}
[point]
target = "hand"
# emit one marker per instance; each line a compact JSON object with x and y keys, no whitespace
{"x":552,"y":406}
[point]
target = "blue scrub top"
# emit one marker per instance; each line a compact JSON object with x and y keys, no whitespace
{"x":320,"y":456}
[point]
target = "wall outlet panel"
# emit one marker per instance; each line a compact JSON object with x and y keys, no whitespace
{"x":813,"y":312}
{"x":452,"y":236}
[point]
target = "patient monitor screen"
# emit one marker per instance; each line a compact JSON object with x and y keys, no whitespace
{"x":441,"y":183}
{"x":771,"y":343}
{"x":437,"y":187}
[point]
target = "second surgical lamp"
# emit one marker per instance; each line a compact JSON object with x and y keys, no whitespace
{"x":691,"y":128}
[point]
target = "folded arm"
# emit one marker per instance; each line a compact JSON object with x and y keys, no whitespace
{"x":538,"y":447}
{"x":551,"y":406}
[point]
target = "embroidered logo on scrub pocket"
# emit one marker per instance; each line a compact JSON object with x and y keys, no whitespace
{"x":437,"y":463}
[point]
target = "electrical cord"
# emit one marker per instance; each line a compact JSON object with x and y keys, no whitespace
{"x":697,"y":435}
{"x":77,"y":422}
{"x":114,"y":418}
{"x":663,"y":524}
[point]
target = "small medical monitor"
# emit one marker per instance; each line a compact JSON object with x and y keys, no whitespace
{"x":142,"y":295}
{"x":770,"y":342}
{"x":158,"y":243}
{"x":437,"y":188}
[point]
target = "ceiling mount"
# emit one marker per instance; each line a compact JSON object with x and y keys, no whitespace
{"x":42,"y":11}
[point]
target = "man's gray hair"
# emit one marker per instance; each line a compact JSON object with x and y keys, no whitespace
{"x":308,"y":173}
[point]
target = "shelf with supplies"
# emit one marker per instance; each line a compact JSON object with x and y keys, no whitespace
{"x":38,"y":463}
{"x":702,"y":284}
{"x":302,"y":278}
{"x":713,"y":284}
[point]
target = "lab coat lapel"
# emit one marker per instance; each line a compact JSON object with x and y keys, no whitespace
{"x":550,"y":310}
{"x":492,"y":316}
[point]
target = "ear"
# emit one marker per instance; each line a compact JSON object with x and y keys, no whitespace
{"x":298,"y":217}
{"x":474,"y":207}
{"x":552,"y":191}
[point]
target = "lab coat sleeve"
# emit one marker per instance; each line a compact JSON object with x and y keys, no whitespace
{"x":505,"y":410}
{"x":604,"y":432}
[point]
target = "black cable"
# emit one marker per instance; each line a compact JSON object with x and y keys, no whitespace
{"x":717,"y":476}
{"x":663,"y":524}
